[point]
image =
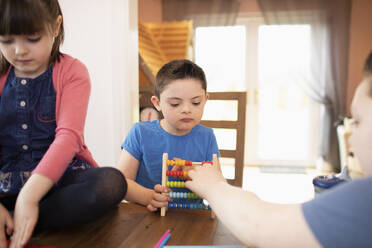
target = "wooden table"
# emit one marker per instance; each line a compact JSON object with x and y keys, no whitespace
{"x":131,"y":225}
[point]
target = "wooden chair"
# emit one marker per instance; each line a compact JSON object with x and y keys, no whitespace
{"x":238,"y":125}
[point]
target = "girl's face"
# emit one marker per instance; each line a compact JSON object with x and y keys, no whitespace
{"x":182,"y":104}
{"x":361,"y":137}
{"x":29,"y":54}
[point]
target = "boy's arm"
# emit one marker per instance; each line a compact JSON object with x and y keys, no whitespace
{"x":128,"y":165}
{"x":250,"y":219}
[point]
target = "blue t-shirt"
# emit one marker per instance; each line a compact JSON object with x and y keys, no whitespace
{"x":342,"y":217}
{"x":147,"y":141}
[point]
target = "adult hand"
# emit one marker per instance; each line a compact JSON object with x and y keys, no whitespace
{"x":158,"y":199}
{"x":181,"y":168}
{"x":6,"y":225}
{"x":204,"y":178}
{"x":25,"y":218}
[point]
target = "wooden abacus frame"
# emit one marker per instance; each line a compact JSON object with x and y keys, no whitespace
{"x":164,"y":176}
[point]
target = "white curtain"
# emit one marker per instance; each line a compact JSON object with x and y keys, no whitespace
{"x":203,"y":13}
{"x":329,"y":21}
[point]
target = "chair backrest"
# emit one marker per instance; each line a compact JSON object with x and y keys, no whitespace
{"x":238,"y":125}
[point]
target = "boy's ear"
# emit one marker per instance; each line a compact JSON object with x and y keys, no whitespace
{"x":156,"y":102}
{"x":206,"y":97}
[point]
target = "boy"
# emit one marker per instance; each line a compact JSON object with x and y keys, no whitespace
{"x":338,"y":218}
{"x":180,"y":94}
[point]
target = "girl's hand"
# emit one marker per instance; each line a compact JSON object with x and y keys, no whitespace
{"x":26,"y":210}
{"x":6,"y":225}
{"x":25,"y":218}
{"x":158,"y":199}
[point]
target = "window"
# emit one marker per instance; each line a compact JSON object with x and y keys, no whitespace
{"x":282,"y":122}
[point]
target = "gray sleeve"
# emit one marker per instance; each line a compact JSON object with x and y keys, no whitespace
{"x":342,"y":217}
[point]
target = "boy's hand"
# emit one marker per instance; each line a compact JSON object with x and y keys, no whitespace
{"x":158,"y":199}
{"x":204,"y":178}
{"x":6,"y":225}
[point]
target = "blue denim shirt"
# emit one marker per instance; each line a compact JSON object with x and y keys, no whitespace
{"x":27,"y":127}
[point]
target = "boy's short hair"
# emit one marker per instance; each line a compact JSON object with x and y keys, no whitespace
{"x":178,"y":69}
{"x":368,"y":72}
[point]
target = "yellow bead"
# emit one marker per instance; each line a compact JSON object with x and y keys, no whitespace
{"x":172,"y":162}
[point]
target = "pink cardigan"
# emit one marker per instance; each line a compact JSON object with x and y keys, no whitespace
{"x":72,"y":85}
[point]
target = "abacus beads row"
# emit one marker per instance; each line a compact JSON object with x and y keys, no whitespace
{"x":176,"y":173}
{"x":175,"y":184}
{"x":183,"y":195}
{"x":187,"y":205}
{"x":179,"y":162}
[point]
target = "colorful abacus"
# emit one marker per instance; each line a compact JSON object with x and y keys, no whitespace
{"x":186,"y":200}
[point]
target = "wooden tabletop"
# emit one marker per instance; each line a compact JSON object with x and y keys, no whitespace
{"x":131,"y":225}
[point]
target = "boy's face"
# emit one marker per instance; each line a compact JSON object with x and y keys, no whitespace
{"x":361,"y":137}
{"x":182,"y":104}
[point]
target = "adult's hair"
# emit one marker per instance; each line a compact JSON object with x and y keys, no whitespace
{"x":27,"y":17}
{"x":178,"y":69}
{"x":368,"y":72}
{"x":368,"y":64}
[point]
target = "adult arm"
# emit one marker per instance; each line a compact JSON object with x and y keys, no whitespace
{"x":250,"y":219}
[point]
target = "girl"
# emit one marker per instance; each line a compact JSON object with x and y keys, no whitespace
{"x":47,"y":175}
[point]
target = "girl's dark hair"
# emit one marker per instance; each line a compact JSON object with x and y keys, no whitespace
{"x":178,"y":69}
{"x":26,"y":17}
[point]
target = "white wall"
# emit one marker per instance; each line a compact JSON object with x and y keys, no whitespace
{"x":104,"y":36}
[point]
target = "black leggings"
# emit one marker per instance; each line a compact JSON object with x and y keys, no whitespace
{"x":79,"y":197}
